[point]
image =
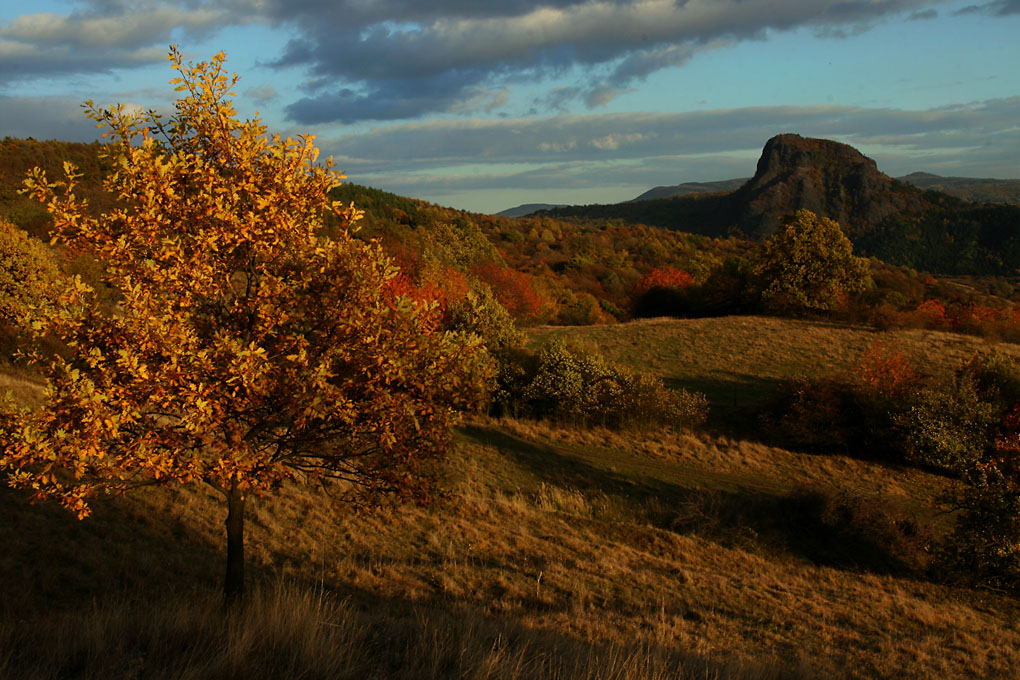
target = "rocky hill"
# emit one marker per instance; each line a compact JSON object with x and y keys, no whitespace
{"x":825,"y":177}
{"x":885,"y":218}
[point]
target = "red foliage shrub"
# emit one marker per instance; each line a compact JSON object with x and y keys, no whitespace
{"x":668,"y":277}
{"x":934,"y":314}
{"x":440,"y":296}
{"x":974,"y":317}
{"x":1007,"y":443}
{"x":514,"y":289}
{"x":429,"y":299}
{"x":405,"y":258}
{"x":885,"y":372}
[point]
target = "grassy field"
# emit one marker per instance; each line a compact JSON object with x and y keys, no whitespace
{"x":738,"y":361}
{"x":558,"y":553}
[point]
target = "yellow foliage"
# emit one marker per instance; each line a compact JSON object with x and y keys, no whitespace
{"x":245,"y":348}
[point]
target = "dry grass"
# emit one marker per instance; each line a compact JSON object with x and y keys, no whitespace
{"x":538,"y":539}
{"x":738,"y":361}
{"x":560,"y":553}
{"x":287,"y":632}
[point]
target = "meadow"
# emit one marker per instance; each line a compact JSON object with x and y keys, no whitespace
{"x":556,"y":551}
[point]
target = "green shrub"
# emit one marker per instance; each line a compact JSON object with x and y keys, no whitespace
{"x":884,"y":408}
{"x":946,"y":424}
{"x":29,"y":277}
{"x":984,"y":548}
{"x":569,"y":384}
{"x":996,"y":378}
{"x":813,"y":414}
{"x":482,"y":314}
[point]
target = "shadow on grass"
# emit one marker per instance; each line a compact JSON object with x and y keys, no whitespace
{"x":734,"y":400}
{"x":293,"y":630}
{"x":132,"y":594}
{"x":825,"y":528}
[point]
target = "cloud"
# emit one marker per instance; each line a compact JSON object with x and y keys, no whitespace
{"x":452,"y":49}
{"x":391,"y":60}
{"x":106,"y":35}
{"x":606,"y":153}
{"x":923,"y":15}
{"x":262,"y":95}
{"x":999,"y":8}
{"x":644,"y":135}
{"x":59,"y":117}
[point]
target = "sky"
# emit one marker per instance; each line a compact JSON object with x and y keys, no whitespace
{"x":487,"y":104}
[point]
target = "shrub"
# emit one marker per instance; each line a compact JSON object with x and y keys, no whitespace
{"x":984,"y":548}
{"x":727,"y":289}
{"x":885,"y":372}
{"x":652,"y":293}
{"x":934,"y":314}
{"x":479,"y":312}
{"x":945,"y":424}
{"x":569,"y":384}
{"x":996,"y":377}
{"x":845,"y":413}
{"x":29,"y":277}
{"x":815,"y":414}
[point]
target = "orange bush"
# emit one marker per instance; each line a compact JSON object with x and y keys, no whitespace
{"x":668,"y":277}
{"x":885,"y":372}
{"x":515,"y":290}
{"x":934,"y":314}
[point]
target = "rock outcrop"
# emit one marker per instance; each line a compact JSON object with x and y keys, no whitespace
{"x":825,"y":177}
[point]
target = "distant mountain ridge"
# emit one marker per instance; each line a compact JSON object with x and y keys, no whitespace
{"x":528,"y":209}
{"x":979,"y":190}
{"x":687,"y":188}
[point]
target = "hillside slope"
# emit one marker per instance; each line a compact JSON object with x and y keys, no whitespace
{"x":559,"y":552}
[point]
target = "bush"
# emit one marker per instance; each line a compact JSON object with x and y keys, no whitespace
{"x":984,"y":548}
{"x":569,"y":384}
{"x":653,"y":292}
{"x":946,"y":424}
{"x":479,"y":312}
{"x":846,"y":413}
{"x":996,"y":378}
{"x":814,"y":414}
{"x":515,"y":290}
{"x":29,"y":277}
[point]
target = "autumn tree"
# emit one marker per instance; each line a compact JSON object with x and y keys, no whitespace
{"x":514,"y":289}
{"x":244,"y":348}
{"x":809,"y":265}
{"x":657,"y":292}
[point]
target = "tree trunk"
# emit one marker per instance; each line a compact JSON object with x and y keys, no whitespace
{"x":233,"y":585}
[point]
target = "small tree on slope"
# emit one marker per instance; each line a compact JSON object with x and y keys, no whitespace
{"x":245,"y":349}
{"x":809,"y":264}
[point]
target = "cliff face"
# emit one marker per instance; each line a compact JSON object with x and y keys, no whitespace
{"x":826,"y":177}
